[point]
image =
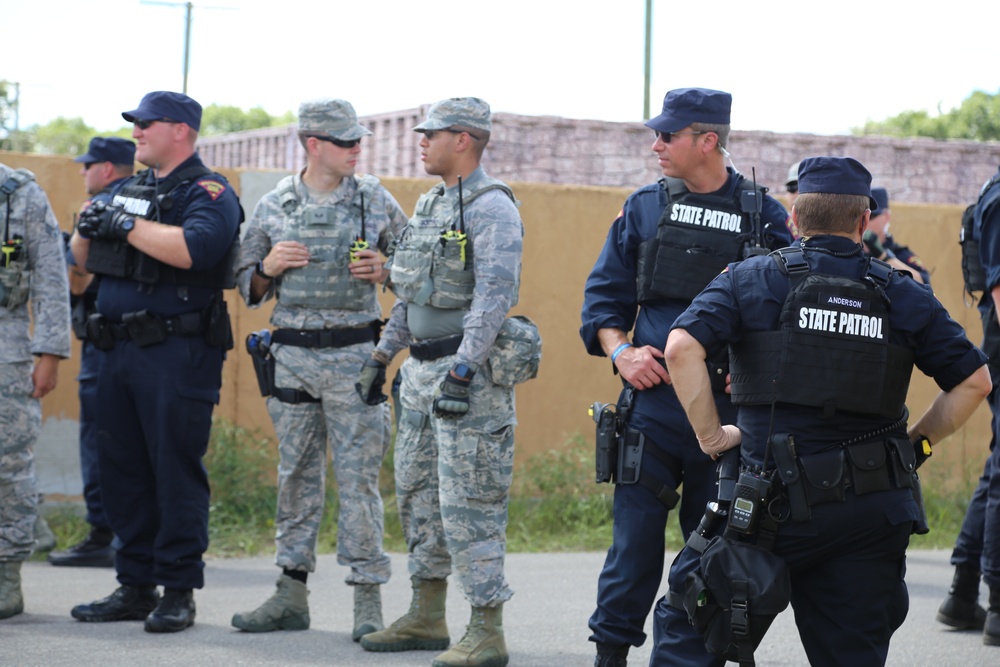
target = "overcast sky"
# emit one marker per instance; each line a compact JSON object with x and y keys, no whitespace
{"x":799,"y":66}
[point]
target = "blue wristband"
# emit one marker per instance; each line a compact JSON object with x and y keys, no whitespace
{"x":618,"y":350}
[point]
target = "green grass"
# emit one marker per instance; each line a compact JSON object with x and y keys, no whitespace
{"x":554,"y":504}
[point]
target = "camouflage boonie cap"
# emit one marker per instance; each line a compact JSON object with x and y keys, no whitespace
{"x":470,"y":112}
{"x":332,"y":117}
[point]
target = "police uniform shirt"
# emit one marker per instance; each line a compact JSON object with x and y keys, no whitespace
{"x":610,"y":296}
{"x":748,"y":297}
{"x":209,"y":211}
{"x":907,"y":256}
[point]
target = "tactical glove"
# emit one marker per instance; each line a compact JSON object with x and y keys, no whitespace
{"x":453,"y":397}
{"x":103,"y":221}
{"x":370,"y":382}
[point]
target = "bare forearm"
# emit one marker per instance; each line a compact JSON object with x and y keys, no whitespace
{"x":953,"y":408}
{"x":685,"y":359}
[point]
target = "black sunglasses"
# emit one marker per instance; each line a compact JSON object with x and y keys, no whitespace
{"x":143,"y":124}
{"x":337,"y":142}
{"x":666,"y":137}
{"x":792,"y":188}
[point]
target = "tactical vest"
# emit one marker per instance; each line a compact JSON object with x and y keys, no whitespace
{"x":697,"y":236}
{"x":973,"y":272}
{"x":426,"y":267}
{"x":327,"y":231}
{"x":156,"y":202}
{"x":832,"y":351}
{"x":15,"y":276}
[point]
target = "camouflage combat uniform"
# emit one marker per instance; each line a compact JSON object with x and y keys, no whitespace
{"x":358,"y":434}
{"x":453,"y":475}
{"x":44,"y":269}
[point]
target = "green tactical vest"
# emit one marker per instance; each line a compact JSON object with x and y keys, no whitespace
{"x":425,"y":268}
{"x":15,"y":277}
{"x":328,"y":232}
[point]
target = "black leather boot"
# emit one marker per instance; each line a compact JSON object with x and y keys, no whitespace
{"x":611,"y":655}
{"x":961,"y":608}
{"x":128,"y":603}
{"x":991,"y":629}
{"x":174,"y":613}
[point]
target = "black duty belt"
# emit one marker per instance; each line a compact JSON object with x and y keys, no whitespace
{"x":324,"y":337}
{"x":435,"y":348}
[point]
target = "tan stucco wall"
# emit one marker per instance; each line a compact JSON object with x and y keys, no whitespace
{"x":565,"y":227}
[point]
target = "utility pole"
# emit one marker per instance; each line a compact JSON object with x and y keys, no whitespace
{"x":649,"y":39}
{"x":188,"y":6}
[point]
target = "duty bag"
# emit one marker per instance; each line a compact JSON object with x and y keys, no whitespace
{"x":734,"y":596}
{"x":517,"y":352}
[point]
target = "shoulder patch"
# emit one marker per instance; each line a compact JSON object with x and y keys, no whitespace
{"x":213,"y":188}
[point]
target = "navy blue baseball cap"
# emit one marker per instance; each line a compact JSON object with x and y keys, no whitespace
{"x":881,"y":197}
{"x":109,"y":149}
{"x":684,"y":106}
{"x":161,"y":104}
{"x":835,"y":176}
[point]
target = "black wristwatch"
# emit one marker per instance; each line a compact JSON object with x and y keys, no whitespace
{"x":464,"y":371}
{"x":260,"y":271}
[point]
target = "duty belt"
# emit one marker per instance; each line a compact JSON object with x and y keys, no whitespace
{"x":435,"y":348}
{"x":324,"y":337}
{"x":142,"y":327}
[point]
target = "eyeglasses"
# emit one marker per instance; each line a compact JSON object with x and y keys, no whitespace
{"x":667,"y":137}
{"x":430,"y":133}
{"x":144,"y":124}
{"x":337,"y":142}
{"x":792,"y":188}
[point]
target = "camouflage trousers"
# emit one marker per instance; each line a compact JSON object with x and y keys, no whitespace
{"x":453,"y":481}
{"x":358,"y":436}
{"x":21,"y":421}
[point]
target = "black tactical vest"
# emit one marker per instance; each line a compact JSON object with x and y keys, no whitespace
{"x":160,"y":203}
{"x":973,"y":272}
{"x":832,"y":351}
{"x":697,"y":236}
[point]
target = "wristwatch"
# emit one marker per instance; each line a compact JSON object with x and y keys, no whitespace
{"x":260,"y":271}
{"x":464,"y":371}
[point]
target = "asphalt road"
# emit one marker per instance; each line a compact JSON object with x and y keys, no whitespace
{"x":545,"y":622}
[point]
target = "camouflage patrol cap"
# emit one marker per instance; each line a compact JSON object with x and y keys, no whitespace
{"x":470,"y":112}
{"x":332,"y":117}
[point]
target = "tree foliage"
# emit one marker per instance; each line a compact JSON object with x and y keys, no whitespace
{"x":220,"y":119}
{"x":977,"y":119}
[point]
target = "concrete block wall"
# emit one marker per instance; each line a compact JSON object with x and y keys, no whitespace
{"x":549,"y":149}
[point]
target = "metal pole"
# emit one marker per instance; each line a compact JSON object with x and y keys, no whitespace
{"x":187,"y":45}
{"x":649,"y":39}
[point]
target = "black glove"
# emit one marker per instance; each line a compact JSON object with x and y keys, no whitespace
{"x":921,"y":449}
{"x":103,"y":221}
{"x":873,"y":246}
{"x":453,"y":399}
{"x":370,"y":382}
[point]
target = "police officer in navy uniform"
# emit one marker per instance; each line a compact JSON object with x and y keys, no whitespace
{"x":106,"y":164}
{"x":165,"y":250}
{"x":977,"y":548}
{"x":880,"y":243}
{"x":845,"y":548}
{"x":670,"y":239}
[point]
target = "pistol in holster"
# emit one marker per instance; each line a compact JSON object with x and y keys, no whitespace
{"x":259,"y":347}
{"x":606,"y":441}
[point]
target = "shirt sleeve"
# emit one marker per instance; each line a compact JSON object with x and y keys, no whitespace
{"x":255,"y":246}
{"x":49,"y":286}
{"x":211,"y":221}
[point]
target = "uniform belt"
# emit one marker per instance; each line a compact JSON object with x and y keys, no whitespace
{"x":187,"y":324}
{"x":324,"y":337}
{"x":435,"y":348}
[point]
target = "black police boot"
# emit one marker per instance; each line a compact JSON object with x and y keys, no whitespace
{"x":174,"y":613}
{"x":611,"y":655}
{"x":961,"y":608}
{"x":94,"y":551}
{"x":128,"y":603}
{"x":991,"y":629}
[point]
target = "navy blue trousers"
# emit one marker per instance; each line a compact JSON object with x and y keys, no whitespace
{"x":633,"y":569}
{"x":89,"y":367}
{"x":154,"y":416}
{"x":978,"y":543}
{"x":846,"y":567}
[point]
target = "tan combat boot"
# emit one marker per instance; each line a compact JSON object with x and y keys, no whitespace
{"x":367,"y":610}
{"x":422,"y":628}
{"x":11,"y":600}
{"x":482,"y":645}
{"x":287,"y":609}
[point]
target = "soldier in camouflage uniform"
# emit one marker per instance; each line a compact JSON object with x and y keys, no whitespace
{"x":455,"y":271}
{"x":33,"y":268}
{"x":298,"y":249}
